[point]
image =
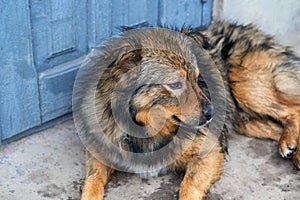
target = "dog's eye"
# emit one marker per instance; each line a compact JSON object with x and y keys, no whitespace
{"x":175,"y":86}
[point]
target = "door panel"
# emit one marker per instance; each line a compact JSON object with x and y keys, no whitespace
{"x":59,"y":31}
{"x":107,"y":16}
{"x":207,"y":6}
{"x":143,"y":11}
{"x":56,"y":86}
{"x":100,"y":20}
{"x":185,"y":12}
{"x":19,"y":100}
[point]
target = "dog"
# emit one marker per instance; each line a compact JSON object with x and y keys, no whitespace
{"x":262,"y":82}
{"x":157,"y":95}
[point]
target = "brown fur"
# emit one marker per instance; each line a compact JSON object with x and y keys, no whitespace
{"x":264,"y":80}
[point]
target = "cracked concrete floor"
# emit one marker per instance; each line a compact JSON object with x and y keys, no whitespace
{"x":50,"y":165}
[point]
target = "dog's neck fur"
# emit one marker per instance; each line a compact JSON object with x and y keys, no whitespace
{"x":144,"y":145}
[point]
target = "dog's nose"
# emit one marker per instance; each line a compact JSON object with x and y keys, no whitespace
{"x":207,"y":110}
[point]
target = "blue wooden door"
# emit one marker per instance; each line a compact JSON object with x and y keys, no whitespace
{"x":43,"y":42}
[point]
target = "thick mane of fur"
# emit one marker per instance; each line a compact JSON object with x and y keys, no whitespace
{"x":238,"y":39}
{"x":100,"y":124}
{"x":233,"y":42}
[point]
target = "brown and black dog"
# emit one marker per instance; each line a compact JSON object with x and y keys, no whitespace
{"x":262,"y":79}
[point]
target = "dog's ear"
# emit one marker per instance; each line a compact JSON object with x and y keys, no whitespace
{"x":126,"y":69}
{"x":130,"y":58}
{"x":200,"y":38}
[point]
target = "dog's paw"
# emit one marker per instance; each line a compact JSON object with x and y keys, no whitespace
{"x":296,"y":158}
{"x":287,"y":145}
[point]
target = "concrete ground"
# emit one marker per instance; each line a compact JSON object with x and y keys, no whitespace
{"x":50,"y":165}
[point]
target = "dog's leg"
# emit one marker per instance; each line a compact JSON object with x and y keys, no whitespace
{"x":296,"y":157}
{"x":289,"y":143}
{"x":289,"y":140}
{"x":97,"y":176}
{"x":286,"y":134}
{"x":200,"y":174}
{"x":265,"y":129}
{"x":262,"y":84}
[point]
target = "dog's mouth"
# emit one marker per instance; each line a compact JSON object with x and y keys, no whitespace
{"x":191,"y":126}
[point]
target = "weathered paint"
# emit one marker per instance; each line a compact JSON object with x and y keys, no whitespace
{"x":107,"y":16}
{"x":19,"y":100}
{"x":56,"y":86}
{"x":207,"y":6}
{"x":59,"y":30}
{"x":185,"y":12}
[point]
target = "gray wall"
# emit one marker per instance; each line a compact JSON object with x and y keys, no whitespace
{"x":277,"y":17}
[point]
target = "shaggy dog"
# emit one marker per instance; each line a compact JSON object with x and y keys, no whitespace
{"x":262,"y":82}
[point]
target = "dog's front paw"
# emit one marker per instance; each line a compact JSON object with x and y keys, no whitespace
{"x":189,"y":192}
{"x":296,"y":158}
{"x":287,"y":145}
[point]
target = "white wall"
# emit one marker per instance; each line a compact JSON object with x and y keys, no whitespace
{"x":277,"y":17}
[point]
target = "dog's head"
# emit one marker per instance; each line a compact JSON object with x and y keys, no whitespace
{"x":142,"y":92}
{"x":165,"y":93}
